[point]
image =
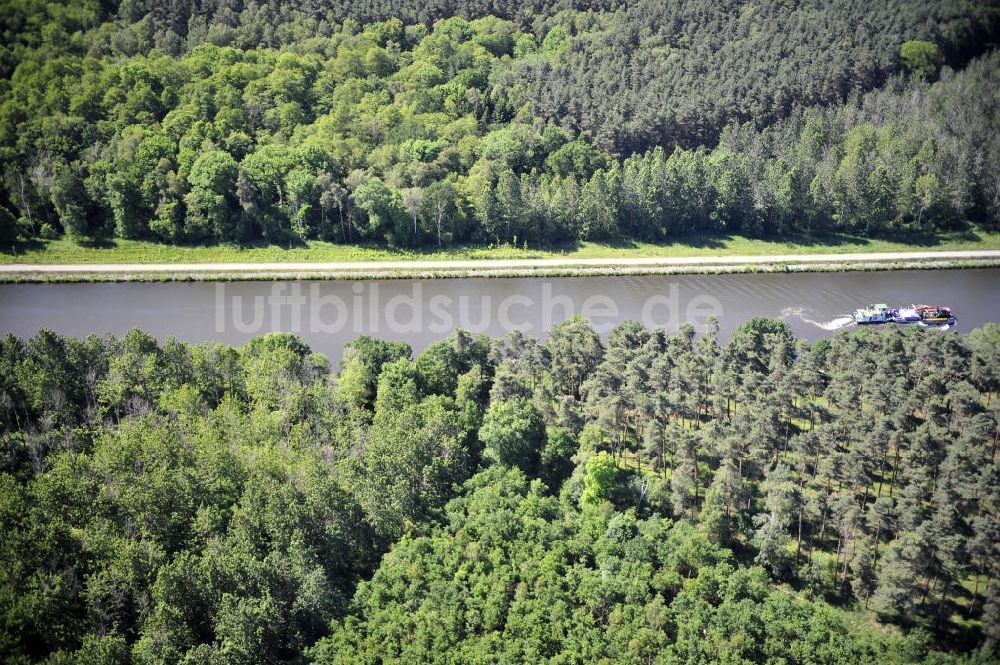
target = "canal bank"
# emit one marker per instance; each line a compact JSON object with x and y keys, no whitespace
{"x":547,"y":267}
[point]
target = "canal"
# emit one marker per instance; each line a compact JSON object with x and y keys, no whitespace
{"x":327,"y":314}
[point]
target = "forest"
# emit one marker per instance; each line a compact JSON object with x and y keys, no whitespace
{"x":648,"y":498}
{"x":426,"y":124}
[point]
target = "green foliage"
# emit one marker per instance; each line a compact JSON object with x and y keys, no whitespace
{"x":414,"y":455}
{"x":438,"y":367}
{"x":600,"y":479}
{"x":577,"y":158}
{"x":515,"y":577}
{"x":921,"y":57}
{"x":576,"y":351}
{"x":361,"y":366}
{"x":384,"y":209}
{"x":692,"y":501}
{"x":557,"y":456}
{"x":513,"y":434}
{"x":212,"y":180}
{"x":759,"y":345}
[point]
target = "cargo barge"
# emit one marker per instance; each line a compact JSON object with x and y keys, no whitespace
{"x":926,"y":315}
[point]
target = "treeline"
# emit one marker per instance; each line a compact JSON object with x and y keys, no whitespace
{"x":468,"y":131}
{"x":658,"y":498}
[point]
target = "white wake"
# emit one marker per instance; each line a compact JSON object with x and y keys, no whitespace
{"x":833,"y":324}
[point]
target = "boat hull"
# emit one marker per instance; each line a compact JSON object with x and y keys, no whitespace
{"x":939,"y":322}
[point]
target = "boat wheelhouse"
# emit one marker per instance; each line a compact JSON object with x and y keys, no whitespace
{"x":936,"y":315}
{"x":906,"y":315}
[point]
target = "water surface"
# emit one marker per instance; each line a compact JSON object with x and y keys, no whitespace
{"x":327,"y":314}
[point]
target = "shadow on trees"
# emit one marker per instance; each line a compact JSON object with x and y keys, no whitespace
{"x":23,"y":246}
{"x":966,"y":232}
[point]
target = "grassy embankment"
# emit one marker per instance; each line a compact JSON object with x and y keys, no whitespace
{"x":134,"y":251}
